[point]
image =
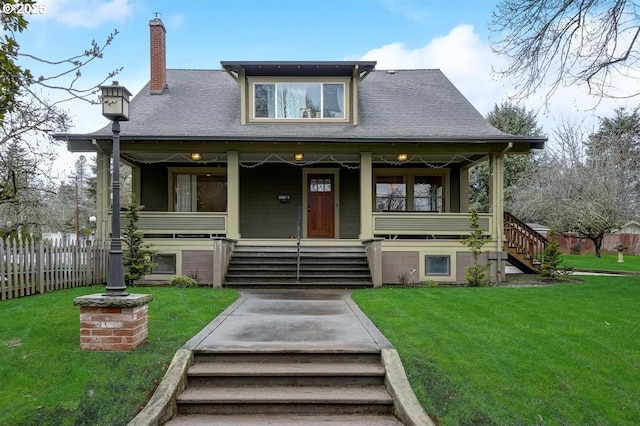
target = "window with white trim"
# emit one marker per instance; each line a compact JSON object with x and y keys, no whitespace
{"x":299,"y":100}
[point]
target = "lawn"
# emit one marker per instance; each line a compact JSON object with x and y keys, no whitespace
{"x":608,"y":262}
{"x":567,"y":354}
{"x":47,"y":380}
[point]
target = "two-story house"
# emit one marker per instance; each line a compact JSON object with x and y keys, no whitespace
{"x":335,"y":152}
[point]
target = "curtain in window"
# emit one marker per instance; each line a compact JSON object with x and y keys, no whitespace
{"x":292,"y":101}
{"x":186,"y":193}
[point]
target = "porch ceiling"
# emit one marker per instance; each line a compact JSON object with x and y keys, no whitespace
{"x":147,"y":157}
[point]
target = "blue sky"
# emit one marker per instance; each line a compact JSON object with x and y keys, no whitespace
{"x":451,"y":35}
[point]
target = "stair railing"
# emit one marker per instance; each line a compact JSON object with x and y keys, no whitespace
{"x":298,"y":243}
{"x":523,"y":238}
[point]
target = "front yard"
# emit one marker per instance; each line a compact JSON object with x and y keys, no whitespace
{"x":566,"y":354}
{"x":47,"y":380}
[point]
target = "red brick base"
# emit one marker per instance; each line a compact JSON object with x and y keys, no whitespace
{"x":112,"y":328}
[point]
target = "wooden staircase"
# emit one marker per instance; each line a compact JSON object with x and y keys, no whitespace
{"x":524,"y":246}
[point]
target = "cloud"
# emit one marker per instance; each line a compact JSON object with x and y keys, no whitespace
{"x":468,"y":62}
{"x":87,"y":13}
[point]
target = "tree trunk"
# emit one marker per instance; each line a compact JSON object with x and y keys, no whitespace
{"x":597,"y":242}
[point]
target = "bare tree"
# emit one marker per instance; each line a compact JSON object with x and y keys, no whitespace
{"x":28,"y":115}
{"x":567,"y":42}
{"x":573,"y":193}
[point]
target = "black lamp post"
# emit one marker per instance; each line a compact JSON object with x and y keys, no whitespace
{"x":115,"y":107}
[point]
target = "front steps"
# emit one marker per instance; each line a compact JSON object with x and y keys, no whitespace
{"x":320,"y":267}
{"x":285,"y":388}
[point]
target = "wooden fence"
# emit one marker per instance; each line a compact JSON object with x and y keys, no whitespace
{"x":28,"y":268}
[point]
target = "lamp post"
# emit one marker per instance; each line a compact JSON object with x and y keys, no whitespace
{"x":115,"y":107}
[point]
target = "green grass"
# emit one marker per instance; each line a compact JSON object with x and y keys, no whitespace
{"x":608,"y":262}
{"x":46,"y":378}
{"x":567,"y":354}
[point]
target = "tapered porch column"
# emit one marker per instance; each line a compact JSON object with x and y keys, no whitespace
{"x":496,"y":194}
{"x":103,"y":186}
{"x":366,"y":195}
{"x":233,"y":195}
{"x":464,"y":189}
{"x":496,"y":199}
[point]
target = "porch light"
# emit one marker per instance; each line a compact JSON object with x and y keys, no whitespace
{"x":115,"y":107}
{"x":196,"y":156}
{"x":402,"y":157}
{"x":298,"y":156}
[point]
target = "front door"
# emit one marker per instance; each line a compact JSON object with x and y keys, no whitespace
{"x":320,"y":206}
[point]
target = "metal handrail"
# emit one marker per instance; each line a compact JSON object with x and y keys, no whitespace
{"x":298,"y":234}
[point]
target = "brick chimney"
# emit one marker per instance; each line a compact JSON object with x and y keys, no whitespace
{"x":158,"y":57}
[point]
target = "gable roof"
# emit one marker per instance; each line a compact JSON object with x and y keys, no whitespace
{"x":394,"y":106}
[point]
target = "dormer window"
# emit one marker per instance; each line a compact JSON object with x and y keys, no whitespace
{"x":298,"y":92}
{"x":299,"y":100}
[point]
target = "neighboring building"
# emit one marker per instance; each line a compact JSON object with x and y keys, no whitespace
{"x":362,"y":156}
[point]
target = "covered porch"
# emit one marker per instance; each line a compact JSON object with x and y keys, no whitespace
{"x":415,"y":206}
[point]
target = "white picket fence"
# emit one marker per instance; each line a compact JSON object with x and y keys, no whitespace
{"x":28,"y":268}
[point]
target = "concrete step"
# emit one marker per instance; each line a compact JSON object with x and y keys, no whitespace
{"x":280,"y":420}
{"x":356,"y":356}
{"x":323,"y":267}
{"x":235,"y":267}
{"x":285,"y":400}
{"x":304,"y":249}
{"x":285,"y":374}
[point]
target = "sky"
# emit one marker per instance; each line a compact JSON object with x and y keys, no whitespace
{"x":451,"y":35}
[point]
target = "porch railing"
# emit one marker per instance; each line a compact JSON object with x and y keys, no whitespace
{"x":416,"y":223}
{"x":176,"y":223}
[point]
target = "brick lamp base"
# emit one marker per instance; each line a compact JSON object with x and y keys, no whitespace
{"x":113,"y":323}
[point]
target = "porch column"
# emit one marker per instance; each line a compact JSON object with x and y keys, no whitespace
{"x":366,"y":195}
{"x":135,"y":183}
{"x":233,"y":195}
{"x":103,"y":187}
{"x":464,"y":189}
{"x":496,"y":198}
{"x":496,"y":194}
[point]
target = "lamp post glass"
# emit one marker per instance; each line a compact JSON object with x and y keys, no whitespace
{"x":115,"y":107}
{"x":115,"y":102}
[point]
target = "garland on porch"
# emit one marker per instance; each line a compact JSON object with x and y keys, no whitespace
{"x":177,"y":156}
{"x":324,"y":158}
{"x":416,"y":158}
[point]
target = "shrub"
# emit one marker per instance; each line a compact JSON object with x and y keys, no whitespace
{"x":476,"y":273}
{"x":430,"y":283}
{"x":551,"y":265}
{"x":183,"y":282}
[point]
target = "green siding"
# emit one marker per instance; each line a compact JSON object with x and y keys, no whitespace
{"x":261,"y":215}
{"x":153,"y":191}
{"x":349,"y":203}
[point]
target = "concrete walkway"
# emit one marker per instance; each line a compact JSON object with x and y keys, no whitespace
{"x":298,"y":320}
{"x":294,"y":321}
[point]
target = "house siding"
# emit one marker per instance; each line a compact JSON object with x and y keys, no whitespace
{"x":154,"y":191}
{"x":261,"y":215}
{"x":349,"y":203}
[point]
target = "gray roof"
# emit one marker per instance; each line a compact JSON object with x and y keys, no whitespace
{"x":404,"y":105}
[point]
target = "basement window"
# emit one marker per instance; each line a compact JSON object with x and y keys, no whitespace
{"x":165,"y":263}
{"x":437,"y":265}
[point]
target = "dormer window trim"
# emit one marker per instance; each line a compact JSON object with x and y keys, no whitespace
{"x":330,"y":101}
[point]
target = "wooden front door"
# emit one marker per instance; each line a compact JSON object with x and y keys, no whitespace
{"x":320,"y":206}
